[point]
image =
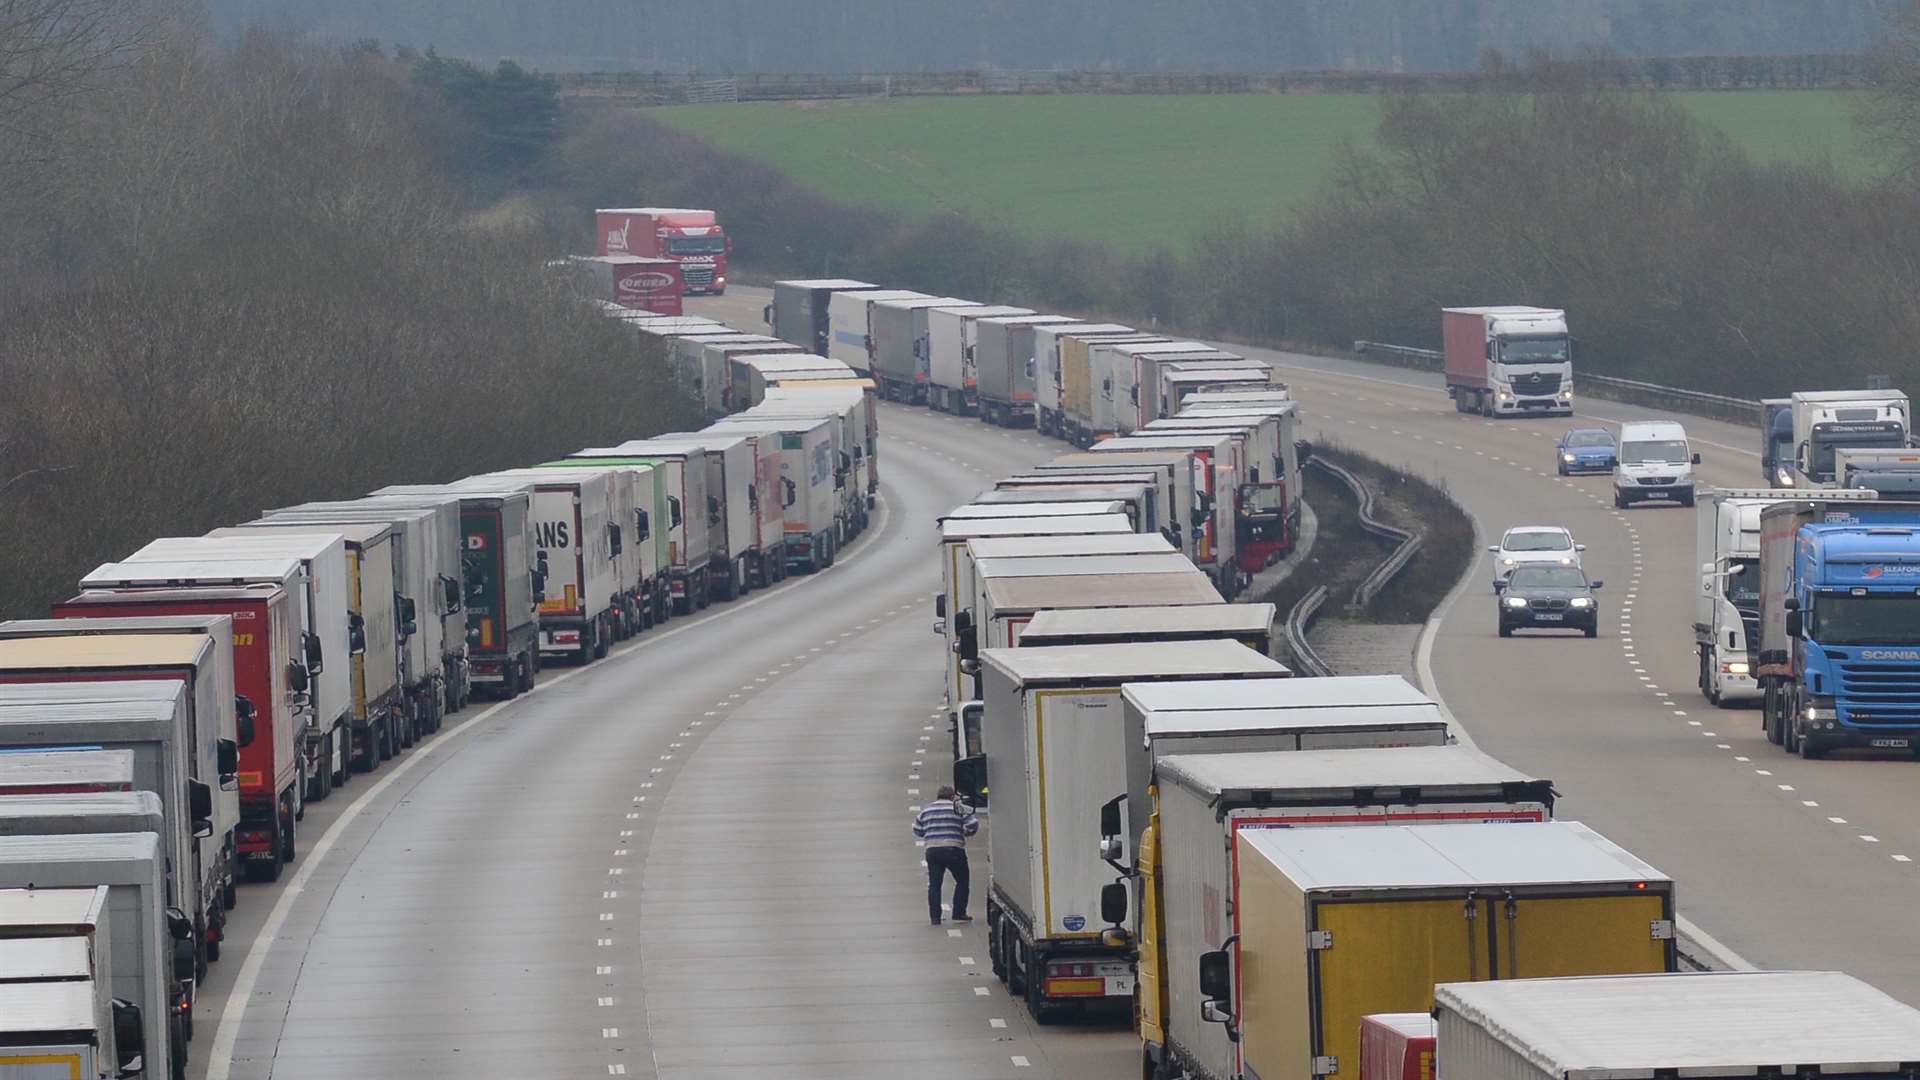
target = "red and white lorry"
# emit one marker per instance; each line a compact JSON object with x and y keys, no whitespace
{"x":692,"y":238}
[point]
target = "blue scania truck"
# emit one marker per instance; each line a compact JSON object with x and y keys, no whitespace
{"x":1839,"y":653}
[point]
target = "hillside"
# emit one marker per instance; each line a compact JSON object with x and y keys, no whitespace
{"x":1033,"y":35}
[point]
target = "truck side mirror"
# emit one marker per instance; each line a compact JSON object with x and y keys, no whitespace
{"x":753,"y":496}
{"x":787,"y":492}
{"x":356,"y":634}
{"x":451,"y":590}
{"x":966,"y":638}
{"x":643,"y":527}
{"x":940,"y":605}
{"x":1696,"y":459}
{"x":614,"y":545}
{"x":199,"y":802}
{"x":538,"y":579}
{"x":129,"y":1037}
{"x":766,"y":314}
{"x":228,"y":753}
{"x":311,"y":642}
{"x":713,"y":510}
{"x":1110,"y":818}
{"x":970,"y":777}
{"x":180,"y":930}
{"x":409,"y":623}
{"x":1216,"y":979}
{"x":673,"y":511}
{"x":297,"y":677}
{"x":1303,"y":450}
{"x":243,"y":718}
{"x":1113,"y":903}
{"x":1794,"y":624}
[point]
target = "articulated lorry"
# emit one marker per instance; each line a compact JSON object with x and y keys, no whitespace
{"x":1267,"y":502}
{"x":574,"y":529}
{"x":857,"y":403}
{"x":689,"y":520}
{"x":691,"y":238}
{"x":500,"y":576}
{"x":1056,"y":743}
{"x":149,"y":953}
{"x":1893,"y":472}
{"x":1333,"y":924}
{"x":850,"y":325}
{"x":1839,"y":654}
{"x":759,"y":486}
{"x":1508,"y":361}
{"x":634,"y":281}
{"x":1726,"y":607}
{"x":899,"y":332}
{"x":952,"y":379}
{"x":1064,"y":397}
{"x":754,"y":375}
{"x":61,"y":1015}
{"x":1217,"y":473}
{"x":809,"y":491}
{"x":1206,"y":801}
{"x":1126,"y":380}
{"x":88,"y":812}
{"x":1006,"y":366}
{"x":731,"y":463}
{"x":1175,"y":465}
{"x":1826,"y":421}
{"x":1735,"y":1025}
{"x":801,"y":310}
{"x":1181,"y":380}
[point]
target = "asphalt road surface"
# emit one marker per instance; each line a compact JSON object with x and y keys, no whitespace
{"x":692,"y":859}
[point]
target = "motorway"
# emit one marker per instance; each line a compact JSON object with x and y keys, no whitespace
{"x":692,"y":860}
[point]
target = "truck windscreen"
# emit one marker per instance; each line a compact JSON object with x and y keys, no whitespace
{"x":1546,"y":350}
{"x":1888,"y":619}
{"x":1743,"y":584}
{"x":1828,"y":438}
{"x":696,"y":245}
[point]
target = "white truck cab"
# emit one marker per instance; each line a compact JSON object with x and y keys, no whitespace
{"x":1655,"y":462}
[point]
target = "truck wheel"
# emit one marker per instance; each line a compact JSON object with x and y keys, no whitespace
{"x":385,"y":740}
{"x":287,"y":848}
{"x":1687,"y":499}
{"x":529,"y":670}
{"x":1017,"y":960}
{"x":510,"y":681}
{"x":1810,"y":749}
{"x":603,"y":642}
{"x":177,"y":1051}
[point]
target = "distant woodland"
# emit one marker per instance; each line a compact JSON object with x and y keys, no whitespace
{"x":852,"y":36}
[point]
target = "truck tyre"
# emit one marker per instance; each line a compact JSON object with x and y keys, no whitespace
{"x":603,"y":642}
{"x":1810,"y":749}
{"x":177,"y":1052}
{"x":287,"y":848}
{"x":342,"y":738}
{"x":269,"y":870}
{"x":384,"y":739}
{"x":1017,"y":960}
{"x":529,"y":670}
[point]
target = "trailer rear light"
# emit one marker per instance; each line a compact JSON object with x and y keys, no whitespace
{"x":566,"y":637}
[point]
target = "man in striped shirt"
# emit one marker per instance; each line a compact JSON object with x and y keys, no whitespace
{"x":945,"y":824}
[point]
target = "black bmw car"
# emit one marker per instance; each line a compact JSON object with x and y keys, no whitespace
{"x":1549,"y":598}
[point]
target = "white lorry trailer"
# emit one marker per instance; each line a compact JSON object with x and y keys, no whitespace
{"x":807,"y":492}
{"x":1006,"y":367}
{"x":952,"y":381}
{"x":1049,"y":387}
{"x":850,"y":325}
{"x":1828,"y":420}
{"x":60,"y":1017}
{"x":800,"y":312}
{"x":899,"y":330}
{"x":1726,"y":605}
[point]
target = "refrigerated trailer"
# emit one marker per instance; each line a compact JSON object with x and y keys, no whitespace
{"x":1252,"y":625}
{"x":60,"y":1014}
{"x":573,"y":527}
{"x":1047,"y":342}
{"x":689,"y":521}
{"x":952,"y":380}
{"x":807,"y":489}
{"x":1333,"y":924}
{"x":1006,"y":367}
{"x":1056,"y":745}
{"x":67,"y":815}
{"x":1208,"y":790}
{"x":900,"y":329}
{"x":766,"y":537}
{"x":800,"y":311}
{"x":850,"y":325}
{"x":63,"y":773}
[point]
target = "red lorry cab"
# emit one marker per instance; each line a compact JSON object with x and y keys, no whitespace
{"x":692,"y":238}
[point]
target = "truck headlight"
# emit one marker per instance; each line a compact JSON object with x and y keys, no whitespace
{"x":1516,"y":601}
{"x":1783,"y":476}
{"x":1580,"y":602}
{"x":1815,"y":712}
{"x":1566,"y":395}
{"x":1504,"y":396}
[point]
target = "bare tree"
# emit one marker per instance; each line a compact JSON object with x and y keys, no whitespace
{"x":1890,"y":114}
{"x":52,"y":50}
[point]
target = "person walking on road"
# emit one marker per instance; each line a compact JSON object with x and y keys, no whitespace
{"x":945,"y":823}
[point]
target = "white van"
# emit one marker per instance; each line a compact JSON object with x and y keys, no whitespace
{"x":1655,"y":462}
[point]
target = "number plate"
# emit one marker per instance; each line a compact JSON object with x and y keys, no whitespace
{"x":1893,"y":744}
{"x":1550,"y":618}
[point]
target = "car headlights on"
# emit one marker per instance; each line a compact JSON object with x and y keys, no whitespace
{"x":1580,"y":602}
{"x":1566,"y":561}
{"x":1516,"y":601}
{"x":1568,"y":458}
{"x":1506,"y":562}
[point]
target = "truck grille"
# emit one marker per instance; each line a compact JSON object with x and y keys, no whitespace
{"x":1880,"y":693}
{"x":697,"y":275}
{"x":1536,"y":385}
{"x":1750,"y":623}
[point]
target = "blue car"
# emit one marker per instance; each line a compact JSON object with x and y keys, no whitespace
{"x":1586,"y":450}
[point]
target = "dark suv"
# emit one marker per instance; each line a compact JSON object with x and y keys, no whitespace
{"x":1549,"y":598}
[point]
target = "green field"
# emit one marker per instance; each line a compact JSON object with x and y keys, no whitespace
{"x":1140,"y":171}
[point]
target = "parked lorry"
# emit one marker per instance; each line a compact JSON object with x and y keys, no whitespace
{"x":952,"y":379}
{"x":1740,"y":1025}
{"x":1055,"y":742}
{"x":768,"y":535}
{"x":1828,"y":420}
{"x":316,"y":575}
{"x":1204,"y":802}
{"x":1726,"y":606}
{"x":573,"y":527}
{"x":857,"y":402}
{"x":850,"y":325}
{"x":66,"y":773}
{"x":1252,"y":625}
{"x":428,"y":530}
{"x":149,"y":952}
{"x":689,"y":523}
{"x":634,"y":281}
{"x":501,"y":578}
{"x":728,"y":503}
{"x":1139,"y":500}
{"x":1217,"y":476}
{"x":715,"y":378}
{"x":1006,"y":367}
{"x":1267,"y":502}
{"x":1508,"y":361}
{"x":1333,"y":924}
{"x":1776,"y":441}
{"x":801,"y":310}
{"x":1126,"y":379}
{"x":1075,"y":381}
{"x":691,"y":238}
{"x":267,"y":770}
{"x":1151,"y":490}
{"x":70,"y":814}
{"x":1048,"y":340}
{"x":1893,"y":472}
{"x":753,"y":376}
{"x":1176,"y":465}
{"x":810,"y":485}
{"x":1839,"y":655}
{"x":1397,"y":1046}
{"x":643,"y":560}
{"x":60,"y":1013}
{"x":899,"y":330}
{"x":1180,"y":381}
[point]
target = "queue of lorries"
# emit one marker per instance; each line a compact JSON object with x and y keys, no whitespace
{"x":162,"y":733}
{"x":1274,"y":877}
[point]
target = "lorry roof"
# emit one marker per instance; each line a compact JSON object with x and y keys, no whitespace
{"x":915,"y":303}
{"x":52,"y":768}
{"x":472,"y":489}
{"x":104,"y":650}
{"x":1337,"y":691}
{"x":1095,"y":591}
{"x":1081,"y":459}
{"x":1069,"y":525}
{"x":622,"y":260}
{"x":1819,"y":396}
{"x":31,"y":1008}
{"x":1509,"y":310}
{"x":165,"y":691}
{"x":1324,"y":718}
{"x":1195,"y":618}
{"x":871,"y":295}
{"x":1030,"y":320}
{"x":228,"y":549}
{"x":1033,"y":547}
{"x":1441,"y":856}
{"x":1066,"y":508}
{"x":1337,"y":773}
{"x":642,"y":448}
{"x":166,"y":624}
{"x":1168,"y":562}
{"x":71,"y":908}
{"x":93,"y":595}
{"x":1061,"y":492}
{"x":1709,"y":1023}
{"x":86,"y":804}
{"x":981,"y":311}
{"x":1171,"y":441}
{"x":826,"y":283}
{"x":1085,"y":474}
{"x":1096,"y":328}
{"x":29,"y":959}
{"x":353,"y":532}
{"x":1131,"y":660}
{"x":795,"y":424}
{"x":117,"y":857}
